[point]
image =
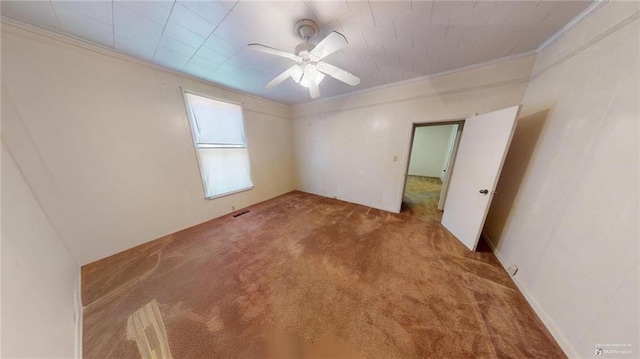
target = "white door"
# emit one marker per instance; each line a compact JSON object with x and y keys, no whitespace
{"x":483,"y":147}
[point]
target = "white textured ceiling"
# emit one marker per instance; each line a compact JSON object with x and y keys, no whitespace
{"x":389,"y":41}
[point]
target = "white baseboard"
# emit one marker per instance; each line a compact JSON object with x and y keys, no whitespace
{"x":548,"y":322}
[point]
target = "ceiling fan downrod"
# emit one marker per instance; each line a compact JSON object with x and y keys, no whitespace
{"x":307,"y":29}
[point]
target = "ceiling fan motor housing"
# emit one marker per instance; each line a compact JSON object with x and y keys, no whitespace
{"x":304,"y":49}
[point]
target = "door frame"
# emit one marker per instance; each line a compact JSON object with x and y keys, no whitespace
{"x":412,"y":133}
{"x":449,"y":170}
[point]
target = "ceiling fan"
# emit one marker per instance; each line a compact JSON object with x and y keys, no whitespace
{"x":309,"y":69}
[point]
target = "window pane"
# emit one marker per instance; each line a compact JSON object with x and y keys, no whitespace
{"x":216,"y":122}
{"x":225,"y":170}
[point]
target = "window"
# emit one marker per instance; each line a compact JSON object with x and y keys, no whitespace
{"x":221,"y":147}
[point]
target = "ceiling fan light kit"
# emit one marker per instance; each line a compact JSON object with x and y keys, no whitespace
{"x":309,"y":69}
{"x":304,"y":75}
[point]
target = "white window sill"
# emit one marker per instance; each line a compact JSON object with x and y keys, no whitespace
{"x":229,"y":193}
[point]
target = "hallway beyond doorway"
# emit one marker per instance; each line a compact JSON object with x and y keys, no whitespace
{"x":421,"y":196}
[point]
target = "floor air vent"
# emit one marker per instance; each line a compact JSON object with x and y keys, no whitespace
{"x":240,"y":214}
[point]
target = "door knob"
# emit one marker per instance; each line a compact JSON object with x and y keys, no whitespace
{"x":484,"y":191}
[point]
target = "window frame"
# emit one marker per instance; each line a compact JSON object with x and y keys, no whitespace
{"x":194,"y":141}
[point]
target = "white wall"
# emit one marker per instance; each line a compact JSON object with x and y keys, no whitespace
{"x":356,"y":147}
{"x":104,"y":142}
{"x":39,"y":277}
{"x":430,"y":150}
{"x":566,"y":211}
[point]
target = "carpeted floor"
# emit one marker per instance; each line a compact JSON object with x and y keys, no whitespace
{"x":302,"y":276}
{"x":421,"y":196}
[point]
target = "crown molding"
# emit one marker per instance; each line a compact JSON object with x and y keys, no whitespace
{"x":108,"y":51}
{"x":597,"y":4}
{"x":72,"y":40}
{"x":427,"y":77}
{"x":487,"y":86}
{"x":593,"y":41}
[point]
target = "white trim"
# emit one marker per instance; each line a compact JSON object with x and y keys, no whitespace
{"x":376,"y":207}
{"x":546,"y":319}
{"x":409,"y":148}
{"x":78,"y":314}
{"x":73,"y":40}
{"x":194,"y":139}
{"x":593,"y":41}
{"x":232,"y":192}
{"x":202,"y":94}
{"x":426,"y":77}
{"x":192,"y":123}
{"x":406,"y":161}
{"x":597,"y":4}
{"x":512,"y":82}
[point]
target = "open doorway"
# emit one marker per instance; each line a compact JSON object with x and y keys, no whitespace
{"x":474,"y":163}
{"x":430,"y":162}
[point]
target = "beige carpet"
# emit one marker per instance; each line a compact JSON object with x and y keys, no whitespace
{"x":302,"y":276}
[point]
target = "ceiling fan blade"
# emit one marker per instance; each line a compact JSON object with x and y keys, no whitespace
{"x":338,"y":73}
{"x":273,"y":51}
{"x":330,"y":44}
{"x":283,"y":76}
{"x":314,"y":91}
